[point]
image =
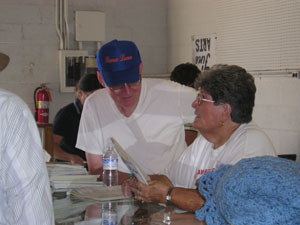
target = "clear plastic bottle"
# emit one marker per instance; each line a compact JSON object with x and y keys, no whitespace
{"x":110,"y":165}
{"x":109,"y":213}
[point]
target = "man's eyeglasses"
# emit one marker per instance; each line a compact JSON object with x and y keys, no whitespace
{"x":120,"y":88}
{"x":201,"y":98}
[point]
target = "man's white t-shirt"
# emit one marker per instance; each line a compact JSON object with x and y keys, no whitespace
{"x":200,"y":157}
{"x":153,"y":135}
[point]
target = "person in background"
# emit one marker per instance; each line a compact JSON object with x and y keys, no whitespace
{"x":223,"y":112}
{"x":185,"y":74}
{"x":146,"y":116}
{"x":24,"y":184}
{"x":66,"y":122}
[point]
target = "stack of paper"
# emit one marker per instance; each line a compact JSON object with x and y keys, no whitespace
{"x":103,"y":193}
{"x":74,"y":181}
{"x":65,"y":177}
{"x":57,"y":169}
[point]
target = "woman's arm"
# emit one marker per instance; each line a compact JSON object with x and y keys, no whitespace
{"x":188,"y":199}
{"x":156,"y":191}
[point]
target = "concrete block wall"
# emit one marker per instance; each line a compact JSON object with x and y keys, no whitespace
{"x":277,"y":105}
{"x":28,"y":36}
{"x":277,"y":110}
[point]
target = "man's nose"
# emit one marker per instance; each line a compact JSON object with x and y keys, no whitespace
{"x":127,"y":89}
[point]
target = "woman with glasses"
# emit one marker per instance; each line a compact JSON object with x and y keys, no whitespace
{"x":223,"y":110}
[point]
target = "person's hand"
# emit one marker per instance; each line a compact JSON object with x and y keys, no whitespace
{"x":75,"y":159}
{"x":161,"y":178}
{"x":129,"y":185}
{"x":155,"y":191}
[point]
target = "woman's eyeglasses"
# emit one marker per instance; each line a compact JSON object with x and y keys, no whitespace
{"x":200,"y":98}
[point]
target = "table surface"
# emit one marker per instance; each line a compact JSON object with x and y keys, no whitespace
{"x":70,"y":210}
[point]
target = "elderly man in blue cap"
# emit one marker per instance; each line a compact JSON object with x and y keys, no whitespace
{"x":146,"y":116}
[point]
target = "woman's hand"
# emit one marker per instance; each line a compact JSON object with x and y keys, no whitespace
{"x":155,"y":191}
{"x":129,"y":185}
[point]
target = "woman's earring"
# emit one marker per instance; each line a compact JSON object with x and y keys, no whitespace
{"x":222,"y":124}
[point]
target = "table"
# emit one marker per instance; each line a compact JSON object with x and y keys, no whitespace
{"x":70,"y":210}
{"x":47,"y":137}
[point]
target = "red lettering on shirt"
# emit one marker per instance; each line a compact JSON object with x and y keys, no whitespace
{"x":201,"y":172}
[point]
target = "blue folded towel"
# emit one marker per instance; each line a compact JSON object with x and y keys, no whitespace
{"x":261,"y":191}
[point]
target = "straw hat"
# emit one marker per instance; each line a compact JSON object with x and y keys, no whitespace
{"x":4,"y":60}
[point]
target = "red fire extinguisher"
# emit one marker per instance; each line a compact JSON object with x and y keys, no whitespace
{"x":42,"y":98}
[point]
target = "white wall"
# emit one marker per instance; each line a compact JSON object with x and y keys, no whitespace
{"x":277,"y":106}
{"x":28,"y":36}
{"x":277,"y":110}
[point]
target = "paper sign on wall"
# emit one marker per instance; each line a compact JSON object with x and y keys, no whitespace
{"x":204,"y":50}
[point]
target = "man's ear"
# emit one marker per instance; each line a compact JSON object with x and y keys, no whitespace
{"x":100,"y":78}
{"x":79,"y":93}
{"x":141,"y":70}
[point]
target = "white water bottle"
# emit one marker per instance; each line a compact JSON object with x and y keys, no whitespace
{"x":109,"y":213}
{"x":110,"y":165}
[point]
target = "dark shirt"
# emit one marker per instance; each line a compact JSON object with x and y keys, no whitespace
{"x":66,"y":124}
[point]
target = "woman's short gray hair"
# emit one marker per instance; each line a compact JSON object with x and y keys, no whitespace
{"x":230,"y":84}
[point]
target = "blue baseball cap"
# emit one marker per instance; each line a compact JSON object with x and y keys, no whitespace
{"x":118,"y":62}
{"x":260,"y":190}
